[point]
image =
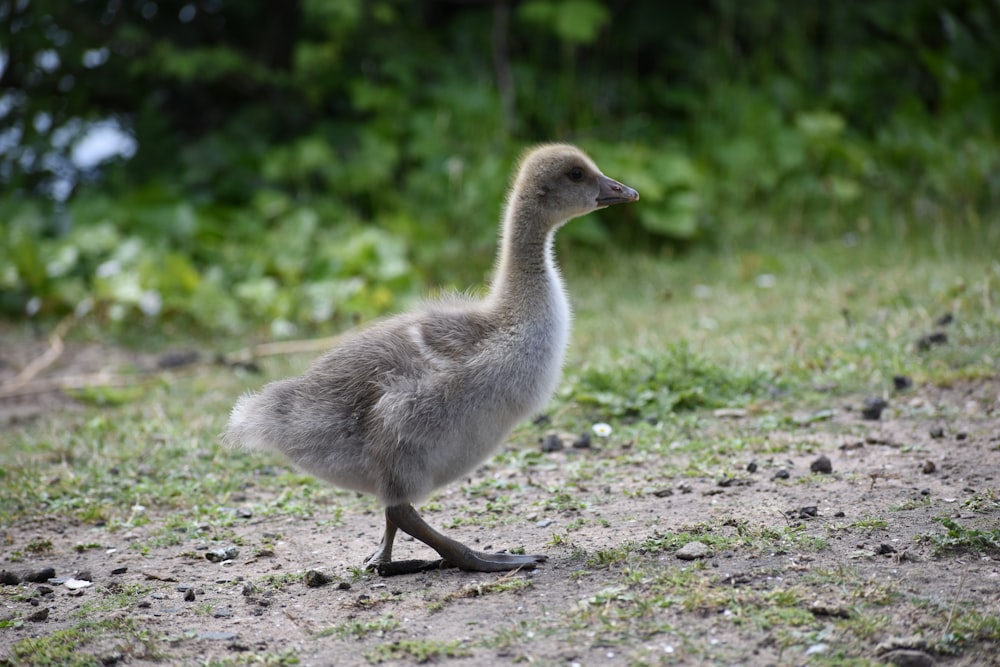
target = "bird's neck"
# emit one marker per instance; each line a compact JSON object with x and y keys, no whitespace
{"x":526,"y":282}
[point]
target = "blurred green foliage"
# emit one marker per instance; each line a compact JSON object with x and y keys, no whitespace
{"x":309,"y":162}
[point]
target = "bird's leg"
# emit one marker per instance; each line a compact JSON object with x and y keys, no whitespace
{"x":381,"y":561}
{"x":455,"y":553}
{"x":383,"y":554}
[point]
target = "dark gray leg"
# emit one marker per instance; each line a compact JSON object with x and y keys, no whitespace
{"x":381,"y":561}
{"x":455,"y":554}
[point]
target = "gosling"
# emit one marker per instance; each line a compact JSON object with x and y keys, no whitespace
{"x":413,"y":402}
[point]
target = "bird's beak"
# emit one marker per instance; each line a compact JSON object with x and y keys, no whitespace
{"x":612,"y":192}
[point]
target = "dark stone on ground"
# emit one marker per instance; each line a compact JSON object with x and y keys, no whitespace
{"x":583,"y":442}
{"x":926,"y":342}
{"x":781,"y":474}
{"x":961,"y":436}
{"x":189,"y":595}
{"x":873,"y":407}
{"x":219,"y":555}
{"x":41,"y":575}
{"x":39,"y":616}
{"x":944,"y":320}
{"x":315,"y":578}
{"x":908,"y":658}
{"x":937,"y":432}
{"x":901,"y":382}
{"x":885,"y":550}
{"x":821,"y":465}
{"x":928,"y":467}
{"x":752,"y":466}
{"x":551,"y":443}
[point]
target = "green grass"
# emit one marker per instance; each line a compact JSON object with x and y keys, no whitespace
{"x":653,"y":353}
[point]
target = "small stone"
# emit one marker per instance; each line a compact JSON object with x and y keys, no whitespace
{"x":901,"y":382}
{"x":244,"y":513}
{"x":222,"y":612}
{"x":119,"y":570}
{"x":544,"y":523}
{"x":928,"y":467}
{"x":77,"y":584}
{"x":908,"y":658}
{"x":663,"y":493}
{"x":8,"y":578}
{"x":218,"y":636}
{"x":782,"y":474}
{"x":873,"y":407}
{"x":885,"y":550}
{"x":249,"y":589}
{"x":925,"y":492}
{"x":315,"y":578}
{"x":43,"y":575}
{"x":39,"y":615}
{"x":944,"y":320}
{"x":821,"y":465}
{"x":343,"y":586}
{"x":222,"y":554}
{"x":552,"y":443}
{"x":189,"y":595}
{"x":84,"y":575}
{"x":937,"y":432}
{"x":693,"y":550}
{"x":583,"y":442}
{"x":961,"y":436}
{"x":928,"y":341}
{"x":752,"y":466}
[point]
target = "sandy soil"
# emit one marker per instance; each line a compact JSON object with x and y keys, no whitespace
{"x":934,"y":449}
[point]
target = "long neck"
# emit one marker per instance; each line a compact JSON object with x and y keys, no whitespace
{"x":526,"y":282}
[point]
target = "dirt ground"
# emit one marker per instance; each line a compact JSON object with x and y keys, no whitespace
{"x":933,"y":450}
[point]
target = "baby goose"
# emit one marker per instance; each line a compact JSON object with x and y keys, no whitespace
{"x":415,"y":401}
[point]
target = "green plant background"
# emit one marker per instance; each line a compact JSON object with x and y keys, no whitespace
{"x":306,"y":164}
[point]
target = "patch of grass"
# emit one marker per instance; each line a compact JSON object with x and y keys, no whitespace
{"x":958,"y":538}
{"x":869,"y":523}
{"x":417,"y":650}
{"x":378,"y":627}
{"x":984,"y":501}
{"x":70,"y":647}
{"x":673,"y":378}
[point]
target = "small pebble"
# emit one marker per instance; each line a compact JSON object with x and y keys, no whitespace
{"x":119,"y":570}
{"x":821,"y":465}
{"x":928,"y":341}
{"x":885,"y":549}
{"x":937,"y":432}
{"x":781,"y":474}
{"x":752,"y":466}
{"x":693,"y":550}
{"x":222,"y":612}
{"x":583,"y":442}
{"x":39,"y":616}
{"x":552,"y":443}
{"x":961,"y":436}
{"x":219,"y":555}
{"x":873,"y":408}
{"x":928,"y":467}
{"x":218,"y":636}
{"x":315,"y":578}
{"x":901,"y":382}
{"x":189,"y":595}
{"x":908,"y":658}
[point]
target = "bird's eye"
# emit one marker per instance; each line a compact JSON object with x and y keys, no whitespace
{"x":575,"y":174}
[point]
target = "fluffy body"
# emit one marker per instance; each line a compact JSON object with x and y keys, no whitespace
{"x":418,"y":400}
